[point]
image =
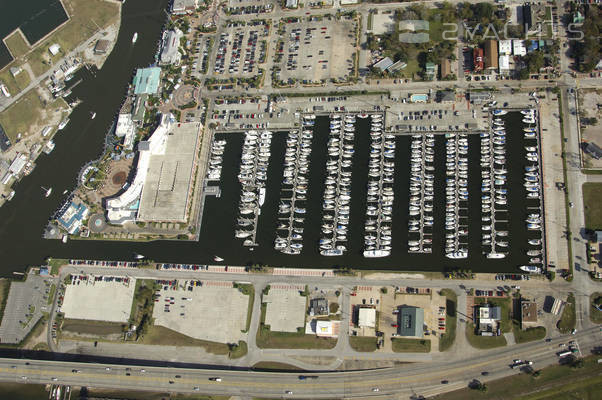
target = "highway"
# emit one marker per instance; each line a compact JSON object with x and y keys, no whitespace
{"x":409,"y":379}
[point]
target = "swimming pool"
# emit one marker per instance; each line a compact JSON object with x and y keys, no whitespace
{"x":419,"y":98}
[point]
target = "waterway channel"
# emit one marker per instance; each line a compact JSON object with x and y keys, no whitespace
{"x":22,"y":220}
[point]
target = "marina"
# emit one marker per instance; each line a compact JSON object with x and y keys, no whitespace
{"x":253,"y":174}
{"x":380,"y":195}
{"x":291,"y":210}
{"x":337,"y":192}
{"x":338,"y":198}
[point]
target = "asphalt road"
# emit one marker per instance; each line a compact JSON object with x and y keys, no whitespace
{"x":408,"y":379}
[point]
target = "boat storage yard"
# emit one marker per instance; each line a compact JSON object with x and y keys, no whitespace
{"x":342,"y":188}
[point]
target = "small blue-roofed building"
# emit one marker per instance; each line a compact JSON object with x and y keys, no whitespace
{"x":533,"y":45}
{"x":44,"y":270}
{"x":72,"y":217}
{"x":146,"y":80}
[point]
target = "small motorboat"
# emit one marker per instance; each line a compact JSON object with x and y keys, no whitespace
{"x":217,"y":258}
{"x":47,"y":191}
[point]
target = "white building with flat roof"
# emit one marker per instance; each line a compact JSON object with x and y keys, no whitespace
{"x":367,"y":317}
{"x":124,"y":208}
{"x":504,"y":64}
{"x":126,"y":129}
{"x":518,"y":48}
{"x":170,"y":53}
{"x":505,"y":47}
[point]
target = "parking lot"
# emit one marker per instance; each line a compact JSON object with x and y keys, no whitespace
{"x":205,"y":310}
{"x":413,"y":117}
{"x":24,"y":306}
{"x":240,"y":48}
{"x":99,"y":298}
{"x":316,"y":50}
{"x":286,"y":307}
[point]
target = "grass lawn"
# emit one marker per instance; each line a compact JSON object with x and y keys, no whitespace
{"x":51,"y":293}
{"x":555,"y":382}
{"x":529,"y":334}
{"x":269,"y":365}
{"x":14,"y":84}
{"x":411,"y":69}
{"x":162,"y":336}
{"x":26,"y":113}
{"x":85,"y":15}
{"x":363,"y":343}
{"x":592,"y":193}
{"x":411,"y":345}
{"x":292,"y":340}
{"x":249,"y":290}
{"x":483,"y":342}
{"x":289,"y":340}
{"x":99,"y":393}
{"x":447,"y":339}
{"x":568,"y":318}
{"x":595,"y":315}
{"x":16,"y":44}
{"x":55,"y":264}
{"x":86,"y":327}
{"x":504,"y":304}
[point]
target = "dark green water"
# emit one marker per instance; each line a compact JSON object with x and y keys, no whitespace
{"x":17,"y":391}
{"x":23,"y":219}
{"x":36,"y":18}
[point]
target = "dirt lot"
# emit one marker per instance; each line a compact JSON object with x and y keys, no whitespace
{"x":591,"y":122}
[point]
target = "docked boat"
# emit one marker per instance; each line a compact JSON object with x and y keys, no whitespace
{"x":48,"y":147}
{"x":496,"y":255}
{"x":499,"y":112}
{"x":332,"y":252}
{"x":376,"y":253}
{"x":530,"y":268}
{"x":63,"y":124}
{"x":261,"y":196}
{"x":47,"y":191}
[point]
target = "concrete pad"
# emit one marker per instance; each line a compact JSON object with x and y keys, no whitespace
{"x":99,"y":301}
{"x":214,"y":311}
{"x":383,"y":23}
{"x":167,"y":187}
{"x":285,"y":311}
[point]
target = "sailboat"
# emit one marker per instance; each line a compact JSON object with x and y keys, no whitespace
{"x":47,"y":192}
{"x":92,"y":115}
